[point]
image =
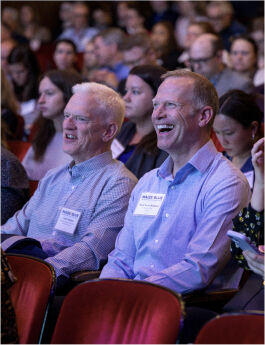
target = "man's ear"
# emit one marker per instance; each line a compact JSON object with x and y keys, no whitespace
{"x":206,"y":115}
{"x":109,"y":132}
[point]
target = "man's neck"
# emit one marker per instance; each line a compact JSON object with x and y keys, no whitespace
{"x":183,"y":155}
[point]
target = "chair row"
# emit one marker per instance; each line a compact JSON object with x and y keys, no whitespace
{"x":112,"y":311}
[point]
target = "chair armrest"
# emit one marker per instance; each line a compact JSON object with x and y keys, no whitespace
{"x":82,"y":276}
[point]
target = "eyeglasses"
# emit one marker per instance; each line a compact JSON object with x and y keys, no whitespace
{"x":201,"y":61}
{"x":77,"y":118}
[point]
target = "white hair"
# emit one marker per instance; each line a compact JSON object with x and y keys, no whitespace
{"x":109,"y":104}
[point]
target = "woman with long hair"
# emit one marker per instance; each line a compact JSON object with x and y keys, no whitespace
{"x":136,"y":144}
{"x":55,"y":90}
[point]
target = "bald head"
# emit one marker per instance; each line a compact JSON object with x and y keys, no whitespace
{"x":206,"y":55}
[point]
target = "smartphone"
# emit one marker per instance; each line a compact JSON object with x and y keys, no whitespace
{"x":242,"y":241}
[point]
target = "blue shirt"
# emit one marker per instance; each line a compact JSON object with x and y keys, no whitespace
{"x":99,"y":188}
{"x":185,"y":246}
{"x":80,"y":39}
{"x":120,"y":70}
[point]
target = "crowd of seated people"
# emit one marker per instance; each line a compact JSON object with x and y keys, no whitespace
{"x":122,"y":95}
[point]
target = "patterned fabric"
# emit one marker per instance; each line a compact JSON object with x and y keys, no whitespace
{"x":99,"y":188}
{"x":185,"y":245}
{"x":8,"y":318}
{"x":250,"y":223}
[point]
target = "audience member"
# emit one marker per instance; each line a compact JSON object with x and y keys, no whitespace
{"x":90,"y":62}
{"x":102,"y":17}
{"x":14,"y":185}
{"x":249,"y":221}
{"x":80,"y":33}
{"x":109,"y":55}
{"x":189,"y":11}
{"x":243,"y":56}
{"x":194,"y":30}
{"x":135,"y":18}
{"x":24,"y":72}
{"x":165,"y":45}
{"x":65,"y":18}
{"x":121,"y":14}
{"x":221,"y":15}
{"x":6,"y":47}
{"x":78,"y":209}
{"x":10,"y":111}
{"x":31,"y":29}
{"x":55,"y":90}
{"x":175,"y":227}
{"x":237,"y":126}
{"x":10,"y":24}
{"x":65,"y":55}
{"x":136,"y":143}
{"x":206,"y":59}
{"x":162,"y":11}
{"x":138,"y":50}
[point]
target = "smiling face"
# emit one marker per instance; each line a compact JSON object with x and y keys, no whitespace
{"x":138,"y":99}
{"x":235,"y":139}
{"x":242,"y":55}
{"x":51,"y":100}
{"x":174,"y":116}
{"x":83,"y":138}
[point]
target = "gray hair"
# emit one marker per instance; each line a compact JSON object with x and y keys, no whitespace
{"x":109,"y":104}
{"x":112,"y":35}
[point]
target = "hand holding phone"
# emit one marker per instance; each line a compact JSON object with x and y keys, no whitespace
{"x":242,"y":241}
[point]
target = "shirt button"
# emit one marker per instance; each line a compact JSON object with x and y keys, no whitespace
{"x":167,"y":215}
{"x":173,"y":187}
{"x":156,"y":241}
{"x":152,"y":266}
{"x":73,"y":187}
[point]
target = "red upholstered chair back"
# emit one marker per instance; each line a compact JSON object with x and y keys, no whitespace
{"x":243,"y":328}
{"x":116,"y":311}
{"x":18,"y":148}
{"x":30,"y":295}
{"x":33,"y":185}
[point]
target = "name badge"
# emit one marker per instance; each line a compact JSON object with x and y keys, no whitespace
{"x":116,"y":148}
{"x":149,"y":204}
{"x":250,"y":177}
{"x":68,"y":220}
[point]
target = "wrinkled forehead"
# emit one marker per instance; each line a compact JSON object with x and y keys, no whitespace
{"x":176,"y":88}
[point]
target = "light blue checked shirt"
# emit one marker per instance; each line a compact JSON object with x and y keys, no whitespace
{"x":99,"y":188}
{"x":185,"y":246}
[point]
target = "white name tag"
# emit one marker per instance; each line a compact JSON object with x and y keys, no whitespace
{"x":68,"y":220}
{"x":149,"y":204}
{"x":250,"y":177}
{"x":116,"y":148}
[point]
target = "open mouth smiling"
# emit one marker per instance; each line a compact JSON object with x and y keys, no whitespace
{"x":164,"y":128}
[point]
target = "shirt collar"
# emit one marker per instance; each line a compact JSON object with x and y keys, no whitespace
{"x":200,"y":161}
{"x":91,"y":164}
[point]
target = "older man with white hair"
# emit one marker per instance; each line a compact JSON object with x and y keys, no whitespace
{"x":78,"y":209}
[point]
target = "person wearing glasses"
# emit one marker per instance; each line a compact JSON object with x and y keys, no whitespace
{"x":78,"y":209}
{"x":206,"y":59}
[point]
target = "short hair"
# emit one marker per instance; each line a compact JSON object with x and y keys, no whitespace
{"x":109,"y":104}
{"x":204,"y":93}
{"x":204,"y":25}
{"x":225,"y":6}
{"x":141,"y":40}
{"x":150,"y":74}
{"x":67,"y":41}
{"x":216,"y":43}
{"x":241,"y":107}
{"x":112,"y":35}
{"x":245,"y":38}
